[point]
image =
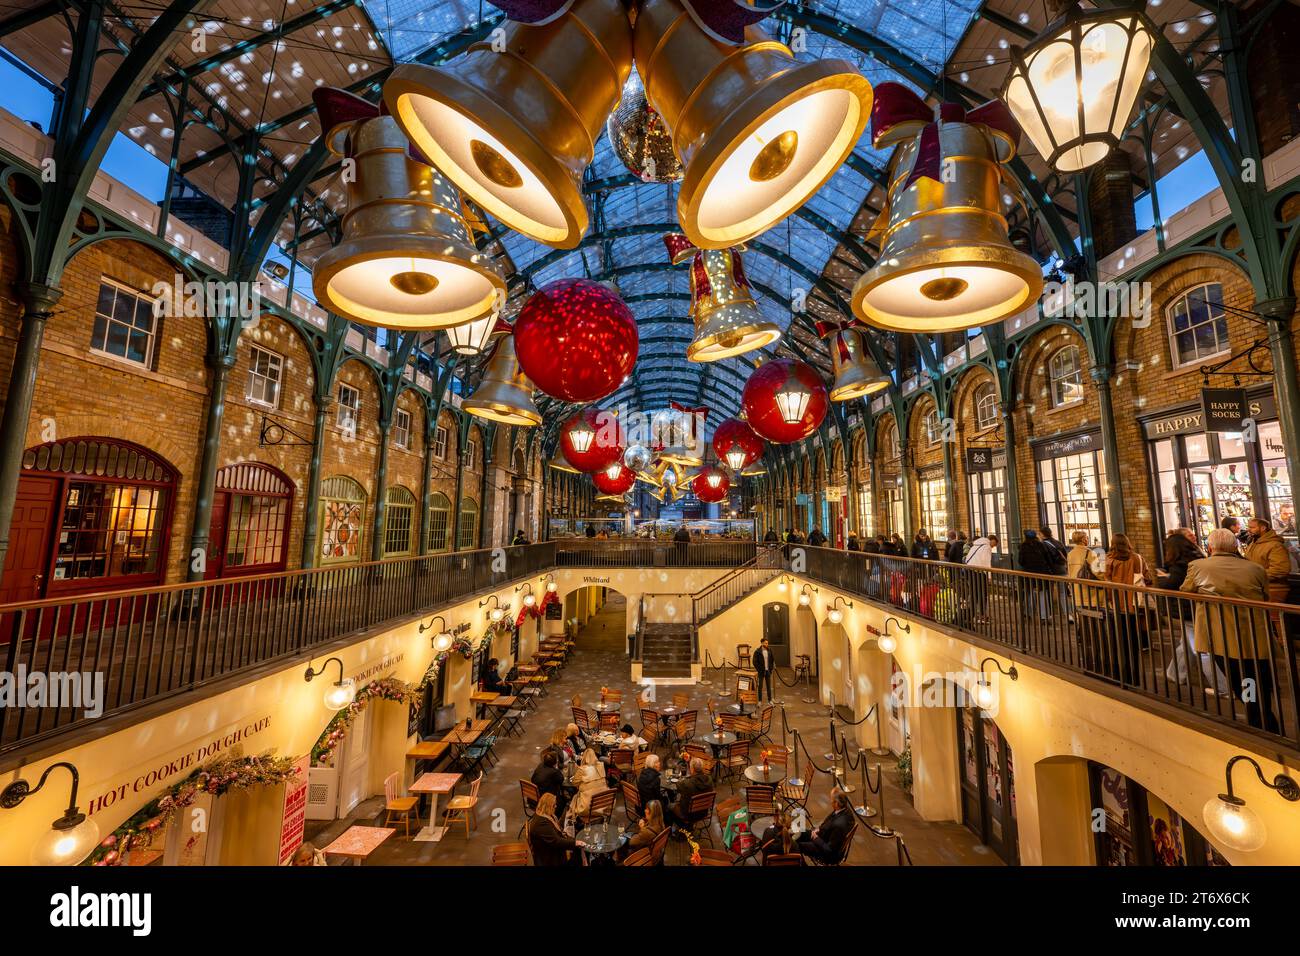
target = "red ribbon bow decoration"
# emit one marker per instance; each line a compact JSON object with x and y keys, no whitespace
{"x":702,"y":410}
{"x":340,"y":111}
{"x":826,"y":328}
{"x":533,"y":12}
{"x":898,"y":114}
{"x":679,"y":248}
{"x":725,"y":20}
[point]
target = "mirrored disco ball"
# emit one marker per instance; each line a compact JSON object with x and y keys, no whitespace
{"x":640,"y":138}
{"x":637,"y":458}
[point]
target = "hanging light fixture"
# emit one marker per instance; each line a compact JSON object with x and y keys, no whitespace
{"x":1073,"y":88}
{"x":339,"y":694}
{"x":529,"y":598}
{"x":946,"y":262}
{"x":442,"y":640}
{"x":834,"y":614}
{"x":757,"y":131}
{"x":505,"y":395}
{"x":581,"y":436}
{"x":514,"y":122}
{"x":784,"y":400}
{"x":496,"y":612}
{"x":407,"y":259}
{"x":792,"y":399}
{"x":727,"y":320}
{"x":71,"y":837}
{"x":1233,"y":823}
{"x":985,"y":696}
{"x":475,"y":338}
{"x":685,"y":448}
{"x":856,"y":373}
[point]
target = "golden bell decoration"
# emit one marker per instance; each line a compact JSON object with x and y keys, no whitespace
{"x":757,"y":131}
{"x":514,"y":122}
{"x":406,"y":260}
{"x":560,"y":462}
{"x":505,"y":394}
{"x":946,"y":262}
{"x":855,"y":372}
{"x":727,"y":321}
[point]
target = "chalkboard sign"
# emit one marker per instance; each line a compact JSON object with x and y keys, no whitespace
{"x":555,"y":611}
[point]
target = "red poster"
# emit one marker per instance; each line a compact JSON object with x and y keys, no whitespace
{"x":295,"y":811}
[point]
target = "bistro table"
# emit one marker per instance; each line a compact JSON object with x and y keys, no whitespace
{"x":430,"y":750}
{"x":357,"y":843}
{"x":771,"y":776}
{"x":607,"y":707}
{"x":602,"y":840}
{"x":743,"y":709}
{"x":717,"y":740}
{"x":481,"y":698}
{"x":435,"y":785}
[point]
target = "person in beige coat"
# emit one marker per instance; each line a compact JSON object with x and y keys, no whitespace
{"x":1268,"y":550}
{"x":589,"y":778}
{"x":1238,"y":637}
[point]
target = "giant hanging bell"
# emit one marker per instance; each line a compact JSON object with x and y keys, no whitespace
{"x":855,"y":372}
{"x":505,"y":394}
{"x":407,"y":260}
{"x":727,"y":321}
{"x":683,"y":445}
{"x":945,"y":262}
{"x":758,"y":132}
{"x":514,"y":122}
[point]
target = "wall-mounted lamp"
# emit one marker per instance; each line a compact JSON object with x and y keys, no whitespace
{"x":529,"y":598}
{"x":71,"y":837}
{"x":805,"y":595}
{"x":339,"y":694}
{"x":887,"y":642}
{"x":1232,"y":822}
{"x":550,"y":583}
{"x":442,"y":638}
{"x":785,"y":582}
{"x":835,"y":615}
{"x":496,"y":613}
{"x":984,"y":695}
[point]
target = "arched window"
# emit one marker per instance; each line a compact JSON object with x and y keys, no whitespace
{"x":1065,"y":375}
{"x":439,"y":522}
{"x":341,"y":520}
{"x":933,"y":427}
{"x":250,"y":519}
{"x":1198,"y":327}
{"x":986,"y":406}
{"x":468,"y":539}
{"x":399,"y":519}
{"x":892,"y":450}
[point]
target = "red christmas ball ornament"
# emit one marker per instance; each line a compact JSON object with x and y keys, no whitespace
{"x":617,"y":479}
{"x":711,"y":485}
{"x":736,"y":444}
{"x":592,"y":440}
{"x":785,"y":400}
{"x":576,"y":340}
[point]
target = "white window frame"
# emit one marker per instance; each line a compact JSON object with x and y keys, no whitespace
{"x":1197,"y":359}
{"x":402,"y":428}
{"x":986,"y":396}
{"x":276,"y":364}
{"x":1053,"y":377}
{"x":471,"y":452}
{"x":440,"y":442}
{"x":348,"y":409}
{"x":121,"y":288}
{"x":933,"y":427}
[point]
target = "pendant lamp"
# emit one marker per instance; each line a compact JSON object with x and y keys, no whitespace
{"x":505,"y":395}
{"x":856,"y":373}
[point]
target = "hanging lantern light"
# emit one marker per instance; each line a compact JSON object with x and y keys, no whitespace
{"x":785,"y":400}
{"x":711,"y":485}
{"x":945,"y":262}
{"x":685,"y":447}
{"x":736,"y":443}
{"x":505,"y":395}
{"x":757,"y":131}
{"x":855,"y":372}
{"x":577,"y":340}
{"x":514,"y":122}
{"x":600,"y":436}
{"x":474,"y":338}
{"x":727,"y":321}
{"x":614,"y":480}
{"x":1073,"y":88}
{"x":406,"y":260}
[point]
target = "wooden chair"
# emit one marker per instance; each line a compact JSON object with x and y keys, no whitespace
{"x":798,"y":794}
{"x":510,"y":854}
{"x":848,"y":848}
{"x":734,"y":723}
{"x":529,"y":795}
{"x":680,"y":701}
{"x":649,"y":721}
{"x":693,"y":751}
{"x":395,"y":806}
{"x":632,"y":801}
{"x":747,"y":696}
{"x":699,"y":812}
{"x":761,"y":802}
{"x":611,"y":696}
{"x":709,"y":857}
{"x":600,"y":808}
{"x":642,"y":857}
{"x":620,"y":761}
{"x":582,"y":718}
{"x":777,"y":755}
{"x":638,"y":760}
{"x":765,"y":721}
{"x":783,"y":859}
{"x":734,"y":760}
{"x":803,"y":668}
{"x":744,"y":655}
{"x":686,"y":725}
{"x":608,"y":722}
{"x":464,"y":808}
{"x":660,"y":846}
{"x":746,"y":681}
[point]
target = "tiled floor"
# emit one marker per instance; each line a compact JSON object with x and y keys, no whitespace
{"x":600,"y":660}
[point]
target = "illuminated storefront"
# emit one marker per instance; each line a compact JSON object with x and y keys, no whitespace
{"x":1070,"y":472}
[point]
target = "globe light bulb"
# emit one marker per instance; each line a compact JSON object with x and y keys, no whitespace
{"x":782,"y":586}
{"x":530,"y":599}
{"x":552,"y":586}
{"x":67,"y":842}
{"x":805,"y":599}
{"x":984,"y":695}
{"x":1233,"y":823}
{"x":338,"y":696}
{"x":887,"y":643}
{"x":496,"y":614}
{"x":834,"y":615}
{"x":442,"y":642}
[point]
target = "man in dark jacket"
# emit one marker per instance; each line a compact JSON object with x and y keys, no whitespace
{"x":1057,"y":553}
{"x":924,"y":548}
{"x":871,"y":545}
{"x":827,"y":843}
{"x":853,"y":544}
{"x":648,"y":783}
{"x":697,"y":783}
{"x":955,"y":553}
{"x":816,"y":538}
{"x":1036,"y":559}
{"x":548,"y":778}
{"x":591,"y":531}
{"x":771,"y":537}
{"x":764,"y":663}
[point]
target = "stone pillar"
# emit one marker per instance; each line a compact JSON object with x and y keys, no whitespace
{"x":1110,"y":203}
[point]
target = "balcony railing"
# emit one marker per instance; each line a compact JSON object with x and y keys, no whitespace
{"x":1140,"y":639}
{"x":156,"y":642}
{"x":651,"y":553}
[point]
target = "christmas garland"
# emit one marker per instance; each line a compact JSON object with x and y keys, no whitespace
{"x":230,"y":772}
{"x":538,"y":609}
{"x":385,"y":688}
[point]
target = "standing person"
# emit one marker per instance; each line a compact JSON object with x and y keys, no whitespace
{"x":870,"y":545}
{"x":1035,"y":559}
{"x":980,"y":556}
{"x":682,"y":544}
{"x":1058,"y":557}
{"x":795,"y":537}
{"x":549,"y":844}
{"x":1126,"y":566}
{"x":771,"y":537}
{"x":591,"y":531}
{"x":1266,"y":548}
{"x":826,"y":843}
{"x":1237,"y":637}
{"x":518,"y":539}
{"x":924,"y":548}
{"x":816,"y":538}
{"x":1233,"y":524}
{"x":1179,"y":550}
{"x":853,"y":543}
{"x":764,"y":663}
{"x":896,"y":545}
{"x":956,"y":550}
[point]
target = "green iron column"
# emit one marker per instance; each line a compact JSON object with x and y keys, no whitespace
{"x":462,"y":433}
{"x":1014,"y":531}
{"x":1280,"y":314}
{"x":201,"y":525}
{"x":310,"y":520}
{"x":1101,"y":378}
{"x":381,"y":484}
{"x":426,"y":476}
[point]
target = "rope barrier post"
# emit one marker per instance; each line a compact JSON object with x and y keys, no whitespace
{"x":796,"y":780}
{"x":844,"y":785}
{"x":831,"y":756}
{"x":882,"y":829}
{"x":880,"y":750}
{"x":725,"y":692}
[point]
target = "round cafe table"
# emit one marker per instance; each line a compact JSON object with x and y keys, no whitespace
{"x":604,"y":707}
{"x":770,"y":777}
{"x":717,"y":740}
{"x":602,"y":840}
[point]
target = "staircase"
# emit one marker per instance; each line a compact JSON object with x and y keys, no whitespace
{"x":736,"y":586}
{"x":667,"y":650}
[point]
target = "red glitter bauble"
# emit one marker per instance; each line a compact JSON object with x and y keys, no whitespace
{"x":709,"y":493}
{"x":576,"y":340}
{"x":621,"y":484}
{"x":764,"y":412}
{"x":605,"y":447}
{"x":736,"y":433}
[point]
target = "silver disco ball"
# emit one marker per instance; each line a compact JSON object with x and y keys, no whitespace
{"x":636,"y":458}
{"x":640,"y":138}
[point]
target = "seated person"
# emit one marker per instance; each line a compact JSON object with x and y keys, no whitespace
{"x":492,"y":680}
{"x":549,"y":844}
{"x":576,"y":741}
{"x":548,"y":778}
{"x":698,"y":782}
{"x":649,"y":827}
{"x":776,"y":838}
{"x":589,"y":778}
{"x":825,"y":843}
{"x":648,"y":784}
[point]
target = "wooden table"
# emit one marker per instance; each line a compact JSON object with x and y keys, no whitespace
{"x":424,"y":750}
{"x":464,"y":736}
{"x":434,"y":784}
{"x":481,"y":697}
{"x":526,"y":670}
{"x":357,"y":843}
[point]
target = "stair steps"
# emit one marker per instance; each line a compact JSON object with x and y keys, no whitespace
{"x":666,"y":650}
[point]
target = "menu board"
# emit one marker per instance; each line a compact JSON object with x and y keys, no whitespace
{"x":294,"y":820}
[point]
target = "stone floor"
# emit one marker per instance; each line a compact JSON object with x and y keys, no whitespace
{"x":600,"y":660}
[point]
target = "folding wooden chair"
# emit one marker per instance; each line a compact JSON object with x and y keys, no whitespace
{"x":680,"y":701}
{"x":734,"y":761}
{"x":685,"y":727}
{"x":660,"y":845}
{"x":632,"y":801}
{"x":600,"y":808}
{"x":699,"y":813}
{"x":510,"y":854}
{"x":464,"y":809}
{"x":761,"y":802}
{"x":709,"y":857}
{"x":744,"y":655}
{"x":608,"y":722}
{"x":397,"y":806}
{"x":529,"y":795}
{"x":642,"y":857}
{"x":783,"y":859}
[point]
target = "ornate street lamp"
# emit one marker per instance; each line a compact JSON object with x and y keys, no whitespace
{"x":1232,"y":822}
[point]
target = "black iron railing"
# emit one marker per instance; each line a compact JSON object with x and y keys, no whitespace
{"x":722,"y":593}
{"x":156,"y":642}
{"x":1226,"y":659}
